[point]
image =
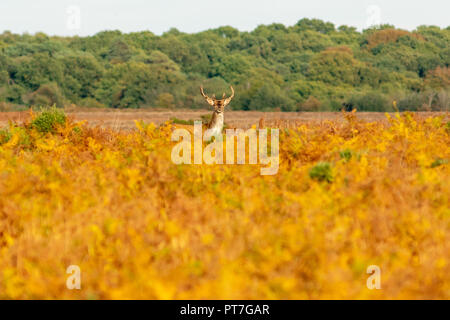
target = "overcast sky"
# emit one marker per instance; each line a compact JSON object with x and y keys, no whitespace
{"x":87,"y":17}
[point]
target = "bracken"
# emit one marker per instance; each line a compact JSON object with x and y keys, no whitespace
{"x":139,"y":226}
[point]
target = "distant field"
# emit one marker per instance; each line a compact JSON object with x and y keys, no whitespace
{"x":124,"y":119}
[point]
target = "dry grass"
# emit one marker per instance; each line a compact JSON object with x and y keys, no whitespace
{"x":124,"y":119}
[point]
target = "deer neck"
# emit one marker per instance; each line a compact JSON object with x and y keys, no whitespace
{"x":216,"y":121}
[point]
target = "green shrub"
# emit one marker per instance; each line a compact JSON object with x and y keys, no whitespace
{"x":77,"y":130}
{"x":47,"y":94}
{"x":180,"y":121}
{"x":5,"y":135}
{"x":23,"y":138}
{"x":311,"y":104}
{"x":438,"y":162}
{"x":48,"y":120}
{"x":372,"y":101}
{"x":413,"y":102}
{"x":91,"y":103}
{"x":346,"y":154}
{"x":331,"y":105}
{"x":322,"y":171}
{"x":166,"y":100}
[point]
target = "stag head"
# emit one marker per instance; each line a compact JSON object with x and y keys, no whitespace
{"x":218,"y":104}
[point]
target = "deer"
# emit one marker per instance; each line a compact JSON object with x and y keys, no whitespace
{"x":215,"y":125}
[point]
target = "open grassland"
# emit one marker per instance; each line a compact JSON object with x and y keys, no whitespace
{"x":348,"y":194}
{"x":125,"y":119}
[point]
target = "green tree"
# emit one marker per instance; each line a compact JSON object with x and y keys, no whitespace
{"x":334,"y":66}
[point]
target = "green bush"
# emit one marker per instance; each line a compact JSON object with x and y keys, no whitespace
{"x":48,"y":120}
{"x":322,"y":171}
{"x":23,"y":138}
{"x":372,"y":101}
{"x":91,"y":103}
{"x":5,"y":135}
{"x":166,"y":100}
{"x":271,"y":97}
{"x":413,"y":102}
{"x":181,"y":121}
{"x":346,"y":154}
{"x":438,"y":162}
{"x":47,"y":94}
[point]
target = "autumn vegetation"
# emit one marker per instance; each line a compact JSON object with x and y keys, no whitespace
{"x":348,"y":194}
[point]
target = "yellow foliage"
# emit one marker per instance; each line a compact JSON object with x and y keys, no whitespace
{"x":139,"y":226}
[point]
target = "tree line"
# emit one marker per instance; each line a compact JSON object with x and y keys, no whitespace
{"x":310,"y":66}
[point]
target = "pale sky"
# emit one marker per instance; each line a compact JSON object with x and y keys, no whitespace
{"x":87,"y":17}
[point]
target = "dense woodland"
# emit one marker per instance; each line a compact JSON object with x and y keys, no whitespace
{"x":311,"y":66}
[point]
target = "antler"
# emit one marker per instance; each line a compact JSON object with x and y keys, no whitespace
{"x":228,"y":100}
{"x":208,"y":99}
